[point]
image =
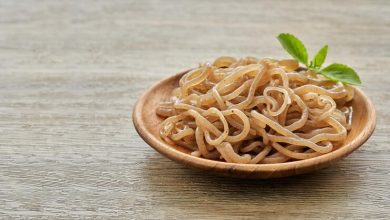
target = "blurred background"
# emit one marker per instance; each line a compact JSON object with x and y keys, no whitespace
{"x":140,"y":35}
{"x":70,"y":74}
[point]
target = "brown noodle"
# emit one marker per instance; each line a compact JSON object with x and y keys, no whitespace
{"x":256,"y":111}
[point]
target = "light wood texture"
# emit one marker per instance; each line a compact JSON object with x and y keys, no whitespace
{"x":147,"y":124}
{"x":71,"y":72}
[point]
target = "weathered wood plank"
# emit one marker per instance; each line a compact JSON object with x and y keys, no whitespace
{"x":71,"y":71}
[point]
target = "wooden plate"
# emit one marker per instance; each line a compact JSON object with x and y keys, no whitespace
{"x":147,"y":124}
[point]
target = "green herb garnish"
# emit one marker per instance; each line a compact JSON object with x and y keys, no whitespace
{"x":335,"y":71}
{"x":319,"y":58}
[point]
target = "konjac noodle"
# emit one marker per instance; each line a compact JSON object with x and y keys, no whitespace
{"x":256,"y":111}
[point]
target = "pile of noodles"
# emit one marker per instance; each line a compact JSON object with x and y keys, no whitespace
{"x":256,"y":111}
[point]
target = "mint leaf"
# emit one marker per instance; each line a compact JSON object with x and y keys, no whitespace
{"x":294,"y":47}
{"x":342,"y":73}
{"x":335,"y":71}
{"x":319,"y":58}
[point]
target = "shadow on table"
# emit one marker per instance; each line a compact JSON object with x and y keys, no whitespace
{"x":169,"y":181}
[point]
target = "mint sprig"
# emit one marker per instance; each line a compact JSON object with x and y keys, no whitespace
{"x":335,"y":71}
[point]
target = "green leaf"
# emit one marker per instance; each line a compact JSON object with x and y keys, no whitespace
{"x":342,"y":73}
{"x":294,"y":47}
{"x":319,"y":58}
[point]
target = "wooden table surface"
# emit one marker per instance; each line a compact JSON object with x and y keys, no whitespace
{"x":70,"y":74}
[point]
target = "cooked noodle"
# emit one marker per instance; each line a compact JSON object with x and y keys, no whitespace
{"x":256,"y":111}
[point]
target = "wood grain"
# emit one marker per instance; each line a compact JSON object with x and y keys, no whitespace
{"x":71,"y":71}
{"x":147,"y":124}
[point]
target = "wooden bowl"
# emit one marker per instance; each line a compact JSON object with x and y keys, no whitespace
{"x":147,"y":125}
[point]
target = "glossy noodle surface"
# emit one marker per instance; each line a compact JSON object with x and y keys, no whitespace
{"x":256,"y":111}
